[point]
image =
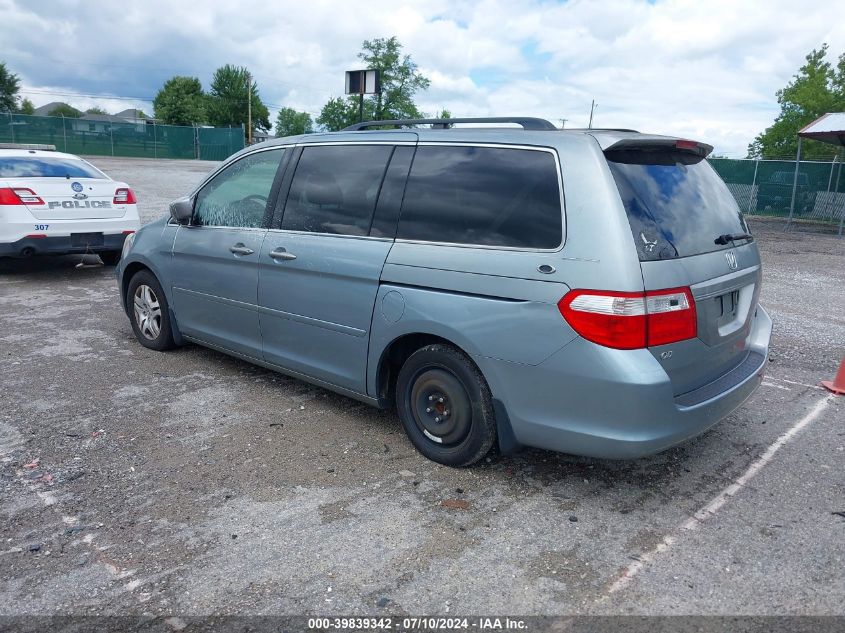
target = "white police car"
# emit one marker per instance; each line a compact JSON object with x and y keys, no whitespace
{"x":55,"y":203}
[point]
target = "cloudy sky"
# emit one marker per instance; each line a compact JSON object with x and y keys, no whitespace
{"x":703,"y":69}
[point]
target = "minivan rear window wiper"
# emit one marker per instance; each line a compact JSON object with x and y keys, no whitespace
{"x":727,"y":238}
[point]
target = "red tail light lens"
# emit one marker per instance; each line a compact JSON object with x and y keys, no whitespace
{"x":671,"y":316}
{"x":19,"y":195}
{"x":631,"y":320}
{"x":612,"y":319}
{"x":124,"y":195}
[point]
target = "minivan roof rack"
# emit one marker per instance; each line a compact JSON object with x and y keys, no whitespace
{"x":527,"y":123}
{"x":601,"y":129}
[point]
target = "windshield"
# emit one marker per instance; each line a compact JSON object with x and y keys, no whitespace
{"x":46,"y":167}
{"x":677,"y":205}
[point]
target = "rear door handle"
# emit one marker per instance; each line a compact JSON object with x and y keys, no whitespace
{"x":282,"y":254}
{"x":240,"y":249}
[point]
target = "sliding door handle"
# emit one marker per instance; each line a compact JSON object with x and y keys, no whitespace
{"x":240,"y":249}
{"x":281,"y":254}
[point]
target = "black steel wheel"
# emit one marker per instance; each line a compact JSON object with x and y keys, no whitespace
{"x":445,"y":406}
{"x":110,"y":258}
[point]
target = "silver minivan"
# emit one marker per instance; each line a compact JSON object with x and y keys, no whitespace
{"x":587,"y":291}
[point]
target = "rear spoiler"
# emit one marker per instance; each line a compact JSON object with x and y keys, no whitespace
{"x":678,"y":144}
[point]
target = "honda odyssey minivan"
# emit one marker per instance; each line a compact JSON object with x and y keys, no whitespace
{"x":587,"y":291}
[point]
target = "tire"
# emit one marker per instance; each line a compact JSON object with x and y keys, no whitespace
{"x":150,"y":316}
{"x":110,"y":258}
{"x":445,"y":405}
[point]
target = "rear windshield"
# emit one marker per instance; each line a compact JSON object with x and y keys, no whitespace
{"x":677,"y":205}
{"x":46,"y":167}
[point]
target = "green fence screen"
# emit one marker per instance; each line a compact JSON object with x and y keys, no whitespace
{"x":764,"y":187}
{"x":98,"y":136}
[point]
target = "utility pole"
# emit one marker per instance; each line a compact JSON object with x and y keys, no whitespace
{"x":563,"y":123}
{"x":248,"y":108}
{"x":592,"y":109}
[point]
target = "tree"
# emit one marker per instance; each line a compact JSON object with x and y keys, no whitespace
{"x":400,"y":81}
{"x":338,"y":113}
{"x":289,"y":122}
{"x":26,"y":107}
{"x":10,"y":85}
{"x":95,"y":110}
{"x":817,"y":88}
{"x":228,"y":100}
{"x":180,"y":101}
{"x":65,"y":110}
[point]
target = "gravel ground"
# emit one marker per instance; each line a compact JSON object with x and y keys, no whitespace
{"x":191,"y":483}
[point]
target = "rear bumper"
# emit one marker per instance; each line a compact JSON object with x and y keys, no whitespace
{"x":58,"y":245}
{"x":618,"y":404}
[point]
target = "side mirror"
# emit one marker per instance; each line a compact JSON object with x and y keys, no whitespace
{"x":181,"y":210}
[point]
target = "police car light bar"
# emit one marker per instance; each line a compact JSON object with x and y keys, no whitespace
{"x":45,"y":148}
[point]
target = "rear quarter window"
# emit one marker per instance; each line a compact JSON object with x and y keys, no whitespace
{"x":483,"y":196}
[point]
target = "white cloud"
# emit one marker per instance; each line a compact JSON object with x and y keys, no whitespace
{"x":702,"y":69}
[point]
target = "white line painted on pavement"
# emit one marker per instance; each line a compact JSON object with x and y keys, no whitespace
{"x":792,"y":382}
{"x":771,"y":384}
{"x":719,"y":500}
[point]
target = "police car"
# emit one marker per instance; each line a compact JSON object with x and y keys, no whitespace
{"x":55,"y":203}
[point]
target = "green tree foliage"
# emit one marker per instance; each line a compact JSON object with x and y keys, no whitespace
{"x":180,"y":101}
{"x":65,"y":110}
{"x":400,"y":81}
{"x":26,"y":107}
{"x":289,"y":122}
{"x":95,"y":110}
{"x":10,"y":84}
{"x":227,"y":100}
{"x":338,"y":113}
{"x":817,"y":88}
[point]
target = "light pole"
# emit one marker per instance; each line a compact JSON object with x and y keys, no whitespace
{"x":248,"y":109}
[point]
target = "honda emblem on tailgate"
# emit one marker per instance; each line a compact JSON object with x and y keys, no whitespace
{"x":731,"y":257}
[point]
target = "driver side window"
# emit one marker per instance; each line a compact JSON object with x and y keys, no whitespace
{"x":237,"y":196}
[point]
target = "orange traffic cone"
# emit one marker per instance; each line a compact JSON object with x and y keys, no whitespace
{"x":838,"y":384}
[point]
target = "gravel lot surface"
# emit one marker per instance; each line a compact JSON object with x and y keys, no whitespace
{"x":136,"y":482}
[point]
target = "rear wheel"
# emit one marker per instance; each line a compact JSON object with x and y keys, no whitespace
{"x":149,"y":312}
{"x":445,"y":406}
{"x":110,"y":258}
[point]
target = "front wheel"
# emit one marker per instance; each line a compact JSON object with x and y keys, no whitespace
{"x":149,"y":312}
{"x":110,"y":258}
{"x":445,"y":406}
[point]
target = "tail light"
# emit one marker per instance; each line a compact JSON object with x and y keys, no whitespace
{"x":19,"y":195}
{"x":124,"y":195}
{"x":631,"y":320}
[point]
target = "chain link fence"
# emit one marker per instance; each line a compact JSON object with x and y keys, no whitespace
{"x":105,"y":135}
{"x":764,"y":187}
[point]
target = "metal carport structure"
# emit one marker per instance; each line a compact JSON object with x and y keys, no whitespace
{"x":828,"y":128}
